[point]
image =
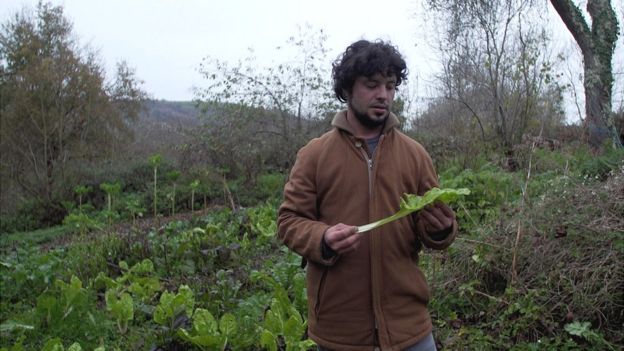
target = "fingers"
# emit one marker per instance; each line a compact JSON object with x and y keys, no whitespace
{"x":437,"y":217}
{"x":342,"y":238}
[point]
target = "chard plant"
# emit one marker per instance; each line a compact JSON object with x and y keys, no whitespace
{"x":207,"y":333}
{"x":81,"y":190}
{"x":110,"y":189}
{"x":56,"y":344}
{"x":121,"y":307}
{"x":139,"y":280}
{"x":173,"y":176}
{"x":194,"y":186}
{"x":133,"y":205}
{"x":282,"y":321}
{"x":56,"y":306}
{"x":155,"y":161}
{"x":412,"y":203}
{"x":81,"y":222}
{"x":174,"y":309}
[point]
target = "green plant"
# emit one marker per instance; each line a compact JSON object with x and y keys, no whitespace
{"x":584,"y":331}
{"x":155,"y":160}
{"x":412,"y":203}
{"x":121,"y":308}
{"x":57,"y":345}
{"x":68,"y":309}
{"x":133,"y":205}
{"x":173,"y":176}
{"x":174,"y":309}
{"x":206,"y":333}
{"x":139,"y":280}
{"x":282,"y":321}
{"x":110,"y":189}
{"x":81,"y":190}
{"x":81,"y":222}
{"x":194,"y":186}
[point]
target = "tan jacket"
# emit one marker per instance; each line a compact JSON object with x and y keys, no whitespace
{"x":379,"y":285}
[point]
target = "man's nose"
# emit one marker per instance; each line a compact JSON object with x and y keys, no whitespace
{"x":382,"y":93}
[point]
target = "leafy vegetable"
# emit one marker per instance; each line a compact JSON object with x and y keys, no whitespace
{"x":412,"y":203}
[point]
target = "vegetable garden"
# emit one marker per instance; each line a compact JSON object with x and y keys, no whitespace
{"x":537,"y":266}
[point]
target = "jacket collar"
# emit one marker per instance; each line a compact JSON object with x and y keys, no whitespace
{"x":340,"y":121}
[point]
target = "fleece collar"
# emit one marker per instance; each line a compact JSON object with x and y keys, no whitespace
{"x":340,"y":121}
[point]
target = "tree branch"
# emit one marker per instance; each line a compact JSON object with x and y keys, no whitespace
{"x":575,"y":22}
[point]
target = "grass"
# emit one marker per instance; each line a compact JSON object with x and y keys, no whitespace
{"x":35,"y":237}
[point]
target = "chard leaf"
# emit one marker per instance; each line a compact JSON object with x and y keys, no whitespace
{"x":412,"y":203}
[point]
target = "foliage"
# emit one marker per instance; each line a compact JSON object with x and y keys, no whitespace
{"x":56,"y":109}
{"x":283,"y":323}
{"x":220,"y":279}
{"x":560,"y":279}
{"x":259,"y":115}
{"x":490,"y":189}
{"x":207,"y":333}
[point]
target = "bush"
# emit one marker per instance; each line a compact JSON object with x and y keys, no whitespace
{"x":31,"y":215}
{"x":490,"y":188}
{"x":569,"y":269}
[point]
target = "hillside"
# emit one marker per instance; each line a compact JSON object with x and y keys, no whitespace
{"x":163,"y":127}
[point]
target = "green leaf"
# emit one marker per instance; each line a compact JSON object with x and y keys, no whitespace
{"x":53,"y":345}
{"x":293,"y":329}
{"x":75,"y":347}
{"x":227,"y":324}
{"x":212,"y":342}
{"x":163,"y":311}
{"x":268,"y":340}
{"x":578,"y":328}
{"x":171,"y":305}
{"x":46,"y":303}
{"x":273,"y":322}
{"x":10,"y":325}
{"x":102,"y":281}
{"x":143,"y":267}
{"x":413,"y":203}
{"x":204,"y":322}
{"x":123,"y":308}
{"x":70,"y":291}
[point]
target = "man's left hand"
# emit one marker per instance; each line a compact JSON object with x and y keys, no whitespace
{"x":437,"y":217}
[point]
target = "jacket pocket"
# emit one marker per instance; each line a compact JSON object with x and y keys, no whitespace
{"x":319,"y":293}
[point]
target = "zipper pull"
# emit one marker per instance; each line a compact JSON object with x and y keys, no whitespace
{"x":370,"y":163}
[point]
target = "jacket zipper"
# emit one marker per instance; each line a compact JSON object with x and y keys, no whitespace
{"x":369,"y":168}
{"x":369,"y":163}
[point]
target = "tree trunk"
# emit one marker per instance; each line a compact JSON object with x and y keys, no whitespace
{"x":597,"y":45}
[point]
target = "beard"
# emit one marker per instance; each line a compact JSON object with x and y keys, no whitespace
{"x":366,"y":120}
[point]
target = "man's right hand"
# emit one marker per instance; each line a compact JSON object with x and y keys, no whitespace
{"x":342,"y":238}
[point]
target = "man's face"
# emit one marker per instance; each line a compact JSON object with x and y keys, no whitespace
{"x":371,"y":99}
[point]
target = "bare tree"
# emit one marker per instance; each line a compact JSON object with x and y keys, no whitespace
{"x":496,"y":66}
{"x":266,"y":112}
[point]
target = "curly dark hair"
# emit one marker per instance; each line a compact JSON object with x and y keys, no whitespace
{"x":365,"y":58}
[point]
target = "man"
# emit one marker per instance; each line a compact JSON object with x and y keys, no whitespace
{"x":365,"y":291}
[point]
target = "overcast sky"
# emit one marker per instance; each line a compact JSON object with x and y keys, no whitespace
{"x":165,"y":40}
